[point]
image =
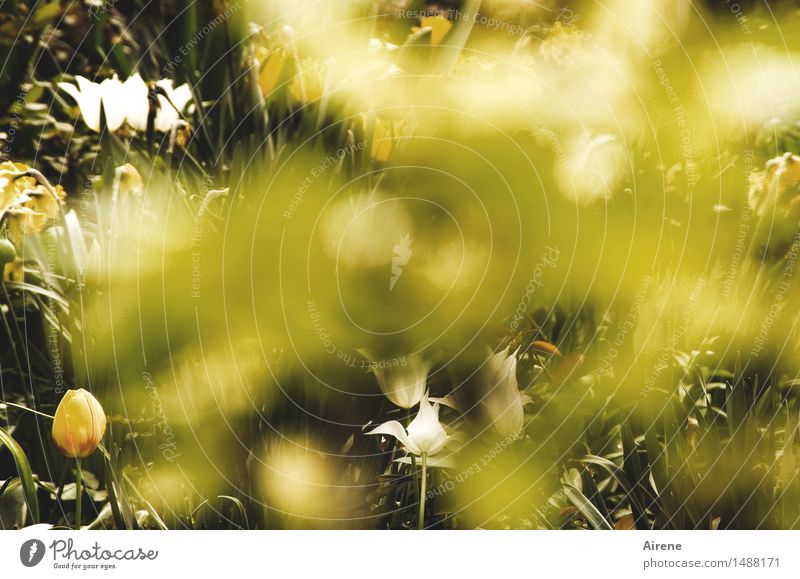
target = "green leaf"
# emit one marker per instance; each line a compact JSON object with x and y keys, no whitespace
{"x":447,"y":54}
{"x":594,"y":494}
{"x":25,"y":473}
{"x":121,"y":509}
{"x":587,"y":509}
{"x":619,"y":475}
{"x":45,"y":13}
{"x":634,"y":471}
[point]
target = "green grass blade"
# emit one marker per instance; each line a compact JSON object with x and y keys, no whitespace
{"x":448,"y":53}
{"x":634,"y":471}
{"x":587,"y":509}
{"x":25,"y":473}
{"x":594,"y":494}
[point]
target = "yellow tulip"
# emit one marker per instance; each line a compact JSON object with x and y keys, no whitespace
{"x":271,"y":71}
{"x":309,"y":82}
{"x":381,"y":141}
{"x":439,"y":26}
{"x":79,"y":424}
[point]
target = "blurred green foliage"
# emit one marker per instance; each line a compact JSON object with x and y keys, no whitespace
{"x":606,"y":192}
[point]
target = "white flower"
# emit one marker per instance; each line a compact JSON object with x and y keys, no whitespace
{"x":425,"y":435}
{"x":87,"y":95}
{"x":502,"y":402}
{"x":127,"y":101}
{"x":403,"y":384}
{"x":169,"y":111}
{"x":136,"y":91}
{"x":90,"y":96}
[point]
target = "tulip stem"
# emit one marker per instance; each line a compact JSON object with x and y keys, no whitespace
{"x":423,"y":491}
{"x":78,"y":494}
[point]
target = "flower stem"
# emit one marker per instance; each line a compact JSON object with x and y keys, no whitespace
{"x":25,"y":408}
{"x":78,"y":494}
{"x":423,"y":491}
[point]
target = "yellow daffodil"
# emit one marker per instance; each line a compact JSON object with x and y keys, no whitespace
{"x":14,"y":271}
{"x":29,"y":205}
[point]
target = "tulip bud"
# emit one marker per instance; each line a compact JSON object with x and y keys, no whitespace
{"x":93,"y":271}
{"x":439,"y":26}
{"x":309,"y":82}
{"x":128,"y":181}
{"x":381,"y":141}
{"x":403,"y":385}
{"x":7,"y":251}
{"x":775,"y":199}
{"x":502,"y":402}
{"x":271,"y":70}
{"x":79,"y":424}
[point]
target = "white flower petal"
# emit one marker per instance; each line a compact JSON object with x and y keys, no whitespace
{"x":502,"y":402}
{"x":166,"y":84}
{"x":425,"y":431}
{"x":114,"y":102}
{"x":403,"y":385}
{"x":394,"y":428}
{"x":169,"y":112}
{"x":90,"y":102}
{"x":166,"y":115}
{"x":449,"y":401}
{"x":87,"y":96}
{"x":71,"y":90}
{"x":181,"y":96}
{"x":136,"y":101}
